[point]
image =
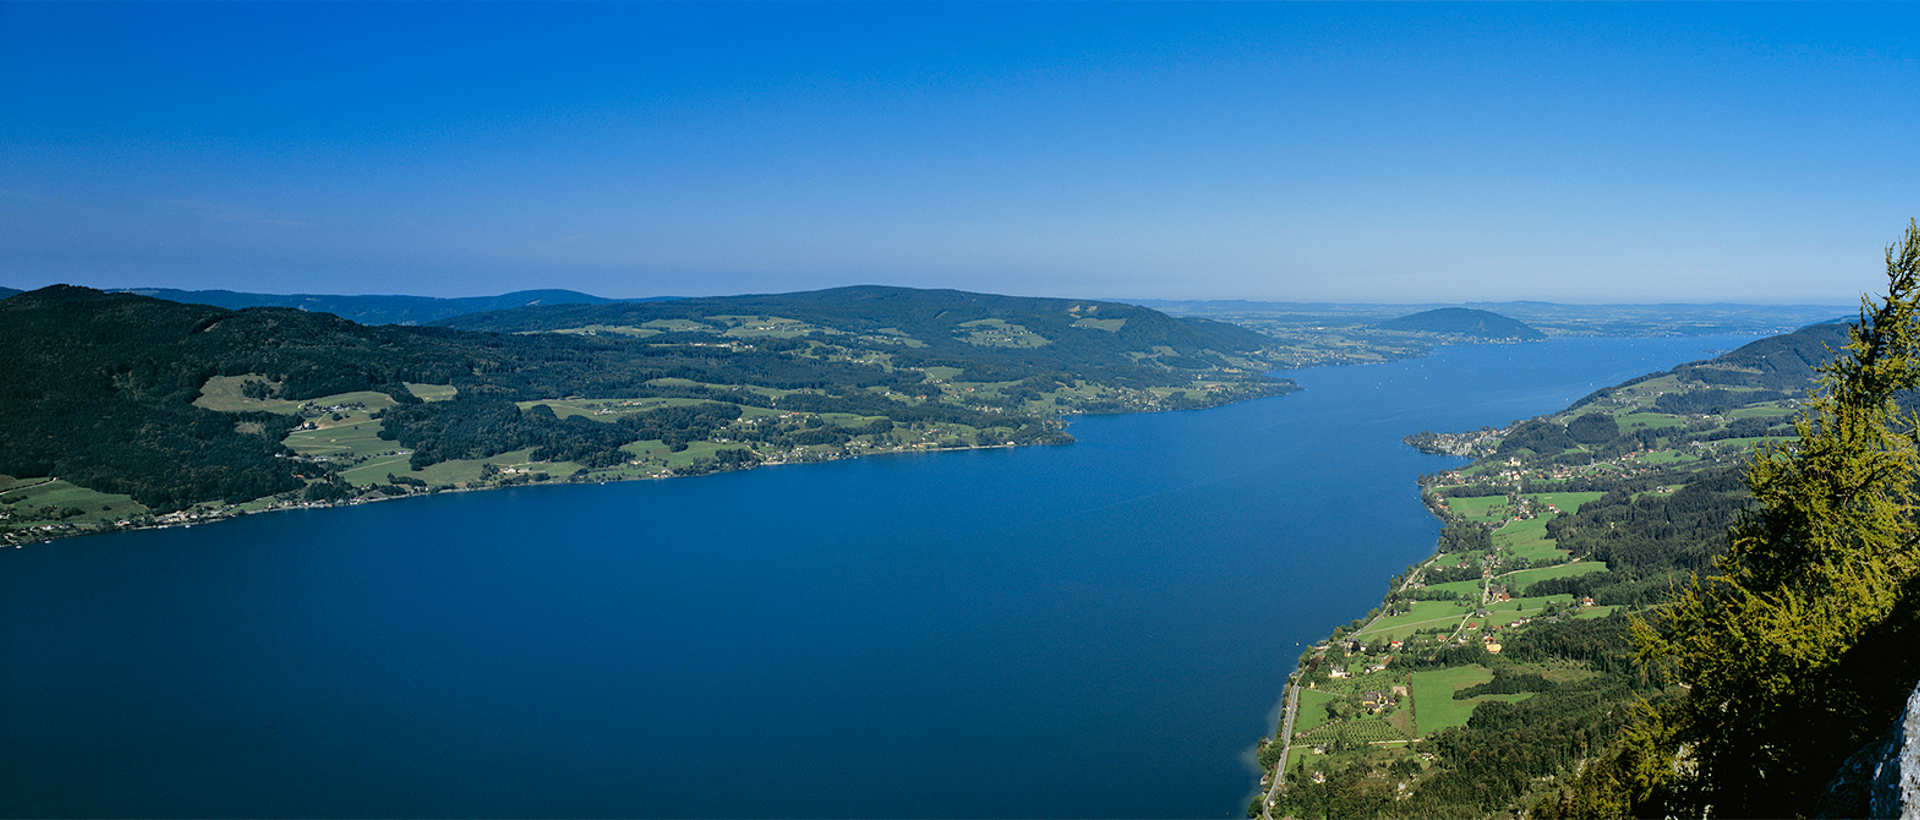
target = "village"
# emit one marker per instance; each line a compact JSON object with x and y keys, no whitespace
{"x":1381,"y":687}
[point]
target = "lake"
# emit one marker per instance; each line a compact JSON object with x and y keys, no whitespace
{"x":1100,"y":629}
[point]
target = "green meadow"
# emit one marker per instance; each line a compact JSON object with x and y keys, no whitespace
{"x":25,"y":498}
{"x":1479,"y":508}
{"x":1528,"y":539}
{"x":1313,"y":709}
{"x":1568,"y":503}
{"x":1519,"y":581}
{"x":1422,"y":615}
{"x":1433,"y":705}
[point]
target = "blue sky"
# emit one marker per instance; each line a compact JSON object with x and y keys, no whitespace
{"x":1284,"y":151}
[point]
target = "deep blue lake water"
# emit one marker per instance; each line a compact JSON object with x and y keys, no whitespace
{"x":1093,"y":630}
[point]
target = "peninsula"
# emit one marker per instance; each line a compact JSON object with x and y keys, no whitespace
{"x":130,"y":411}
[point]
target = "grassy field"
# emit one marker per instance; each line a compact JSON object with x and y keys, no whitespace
{"x":1519,"y":581}
{"x":1480,"y":508}
{"x":23,"y":499}
{"x":655,"y":453}
{"x":348,"y":439}
{"x":1433,"y":705}
{"x":999,"y":333}
{"x":1528,"y":539}
{"x":1507,"y":612}
{"x":1645,"y":421}
{"x":432,"y":392}
{"x":1764,"y":411}
{"x":1664,"y":457}
{"x":1423,"y":615}
{"x":1313,"y":709}
{"x":611,"y":410}
{"x":222,"y":394}
{"x":1568,"y":503}
{"x":454,"y":473}
{"x":1468,"y":590}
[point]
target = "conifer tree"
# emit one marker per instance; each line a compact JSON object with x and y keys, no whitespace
{"x":1802,"y":643}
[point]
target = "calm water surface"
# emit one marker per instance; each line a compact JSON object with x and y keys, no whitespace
{"x":1093,"y":630}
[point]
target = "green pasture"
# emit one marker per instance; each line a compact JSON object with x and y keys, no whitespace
{"x":1667,"y":457}
{"x":1468,"y":590}
{"x":222,"y":394}
{"x":1519,"y":581}
{"x":999,"y":333}
{"x":1649,"y":421}
{"x":458,"y":472}
{"x":609,"y":410}
{"x":1109,"y":325}
{"x":1761,"y":411}
{"x":1568,"y":503}
{"x":1506,"y":612}
{"x":1313,"y":709}
{"x":432,"y":392}
{"x":1422,"y":615}
{"x":1528,"y":539}
{"x":350,"y":439}
{"x":25,"y":496}
{"x":1484,"y":508}
{"x":1433,"y":705}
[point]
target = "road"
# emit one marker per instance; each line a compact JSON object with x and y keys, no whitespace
{"x":1286,"y":747}
{"x":1293,"y":705}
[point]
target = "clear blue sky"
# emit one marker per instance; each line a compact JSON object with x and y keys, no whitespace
{"x":1345,"y":151}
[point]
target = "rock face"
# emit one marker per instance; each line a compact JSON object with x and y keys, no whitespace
{"x":1882,"y":779}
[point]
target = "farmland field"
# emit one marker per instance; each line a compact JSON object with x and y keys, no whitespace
{"x":1423,"y":615}
{"x":1519,"y":581}
{"x":1479,"y":508}
{"x":1313,"y":709}
{"x":1528,"y":539}
{"x":1433,"y":705}
{"x":1568,"y":503}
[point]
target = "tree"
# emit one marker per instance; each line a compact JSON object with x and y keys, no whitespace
{"x":1800,"y":645}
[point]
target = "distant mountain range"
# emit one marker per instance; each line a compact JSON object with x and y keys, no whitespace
{"x":373,"y":309}
{"x":1468,"y":322}
{"x":917,"y":326}
{"x":6,"y":292}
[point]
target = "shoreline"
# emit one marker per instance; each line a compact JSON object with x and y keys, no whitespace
{"x":186,"y":519}
{"x":220,"y":516}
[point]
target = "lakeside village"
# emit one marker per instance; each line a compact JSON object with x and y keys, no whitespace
{"x":1374,"y":694}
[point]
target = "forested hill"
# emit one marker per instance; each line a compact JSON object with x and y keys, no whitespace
{"x":1776,"y":367}
{"x":373,"y":309}
{"x":156,"y":406}
{"x":1465,"y":322}
{"x":6,"y":292}
{"x":1017,"y":335}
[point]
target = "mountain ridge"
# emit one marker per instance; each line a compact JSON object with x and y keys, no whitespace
{"x":371,"y":308}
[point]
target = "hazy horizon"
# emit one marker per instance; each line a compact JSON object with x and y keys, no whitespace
{"x":1302,"y":153}
{"x":1139,"y":300}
